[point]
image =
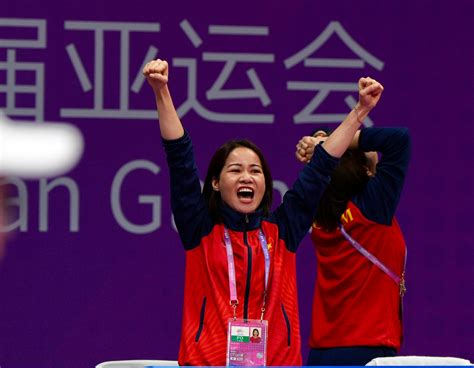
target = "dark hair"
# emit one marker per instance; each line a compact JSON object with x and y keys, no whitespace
{"x":348,"y":179}
{"x":216,"y":165}
{"x":255,"y":329}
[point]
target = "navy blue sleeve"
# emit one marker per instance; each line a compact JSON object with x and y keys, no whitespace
{"x":379,"y":201}
{"x":296,"y":214}
{"x":189,"y":209}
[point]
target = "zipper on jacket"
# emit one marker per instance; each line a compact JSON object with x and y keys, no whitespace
{"x":201,"y":320}
{"x":287,"y":321}
{"x":249,"y":270}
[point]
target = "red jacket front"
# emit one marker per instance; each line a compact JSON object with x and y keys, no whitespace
{"x":206,"y":297}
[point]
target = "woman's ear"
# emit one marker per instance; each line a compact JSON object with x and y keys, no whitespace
{"x":372,"y":160}
{"x":369,"y":172}
{"x":215,"y":184}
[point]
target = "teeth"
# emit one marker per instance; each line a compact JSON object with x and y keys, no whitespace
{"x":245,"y":193}
{"x":245,"y":190}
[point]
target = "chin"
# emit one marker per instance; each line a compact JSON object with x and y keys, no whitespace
{"x":245,"y":210}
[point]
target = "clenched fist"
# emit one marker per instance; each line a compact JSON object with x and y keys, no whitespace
{"x":306,"y":145}
{"x":156,"y":72}
{"x":369,"y":92}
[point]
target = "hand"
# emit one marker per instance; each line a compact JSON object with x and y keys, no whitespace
{"x":156,"y":72}
{"x":306,"y":145}
{"x":369,"y":93}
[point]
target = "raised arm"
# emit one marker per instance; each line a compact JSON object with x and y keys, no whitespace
{"x":379,"y":200}
{"x":336,"y":144}
{"x":300,"y":203}
{"x":189,"y":210}
{"x":156,"y":72}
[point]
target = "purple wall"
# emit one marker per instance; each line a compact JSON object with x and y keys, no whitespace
{"x":83,"y":288}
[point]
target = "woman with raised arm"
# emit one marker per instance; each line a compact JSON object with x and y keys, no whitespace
{"x":240,"y":257}
{"x":360,"y":250}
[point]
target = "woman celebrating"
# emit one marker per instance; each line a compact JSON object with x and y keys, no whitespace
{"x":360,"y":250}
{"x":240,"y":258}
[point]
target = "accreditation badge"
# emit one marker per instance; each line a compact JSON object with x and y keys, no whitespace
{"x":246,"y":342}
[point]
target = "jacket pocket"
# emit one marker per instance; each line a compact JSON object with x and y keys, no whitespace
{"x":287,"y":322}
{"x":201,"y":320}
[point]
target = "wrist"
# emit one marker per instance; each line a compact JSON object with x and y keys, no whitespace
{"x":161,"y":91}
{"x":361,"y":112}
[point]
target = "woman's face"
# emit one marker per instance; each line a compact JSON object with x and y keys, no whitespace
{"x":241,"y":182}
{"x":255,"y":333}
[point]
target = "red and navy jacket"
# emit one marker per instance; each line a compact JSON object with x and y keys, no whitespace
{"x":206,"y":296}
{"x":355,"y":303}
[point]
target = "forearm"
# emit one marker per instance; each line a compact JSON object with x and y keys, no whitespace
{"x":347,"y":133}
{"x":381,"y":196}
{"x":297,"y":211}
{"x":392,"y":142}
{"x":170,"y":124}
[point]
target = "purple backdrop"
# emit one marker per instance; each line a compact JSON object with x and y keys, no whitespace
{"x":94,"y":270}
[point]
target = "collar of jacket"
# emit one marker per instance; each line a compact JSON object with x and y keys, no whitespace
{"x":237,"y":221}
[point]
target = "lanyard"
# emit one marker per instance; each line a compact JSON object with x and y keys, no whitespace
{"x":231,"y":268}
{"x":399,"y":280}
